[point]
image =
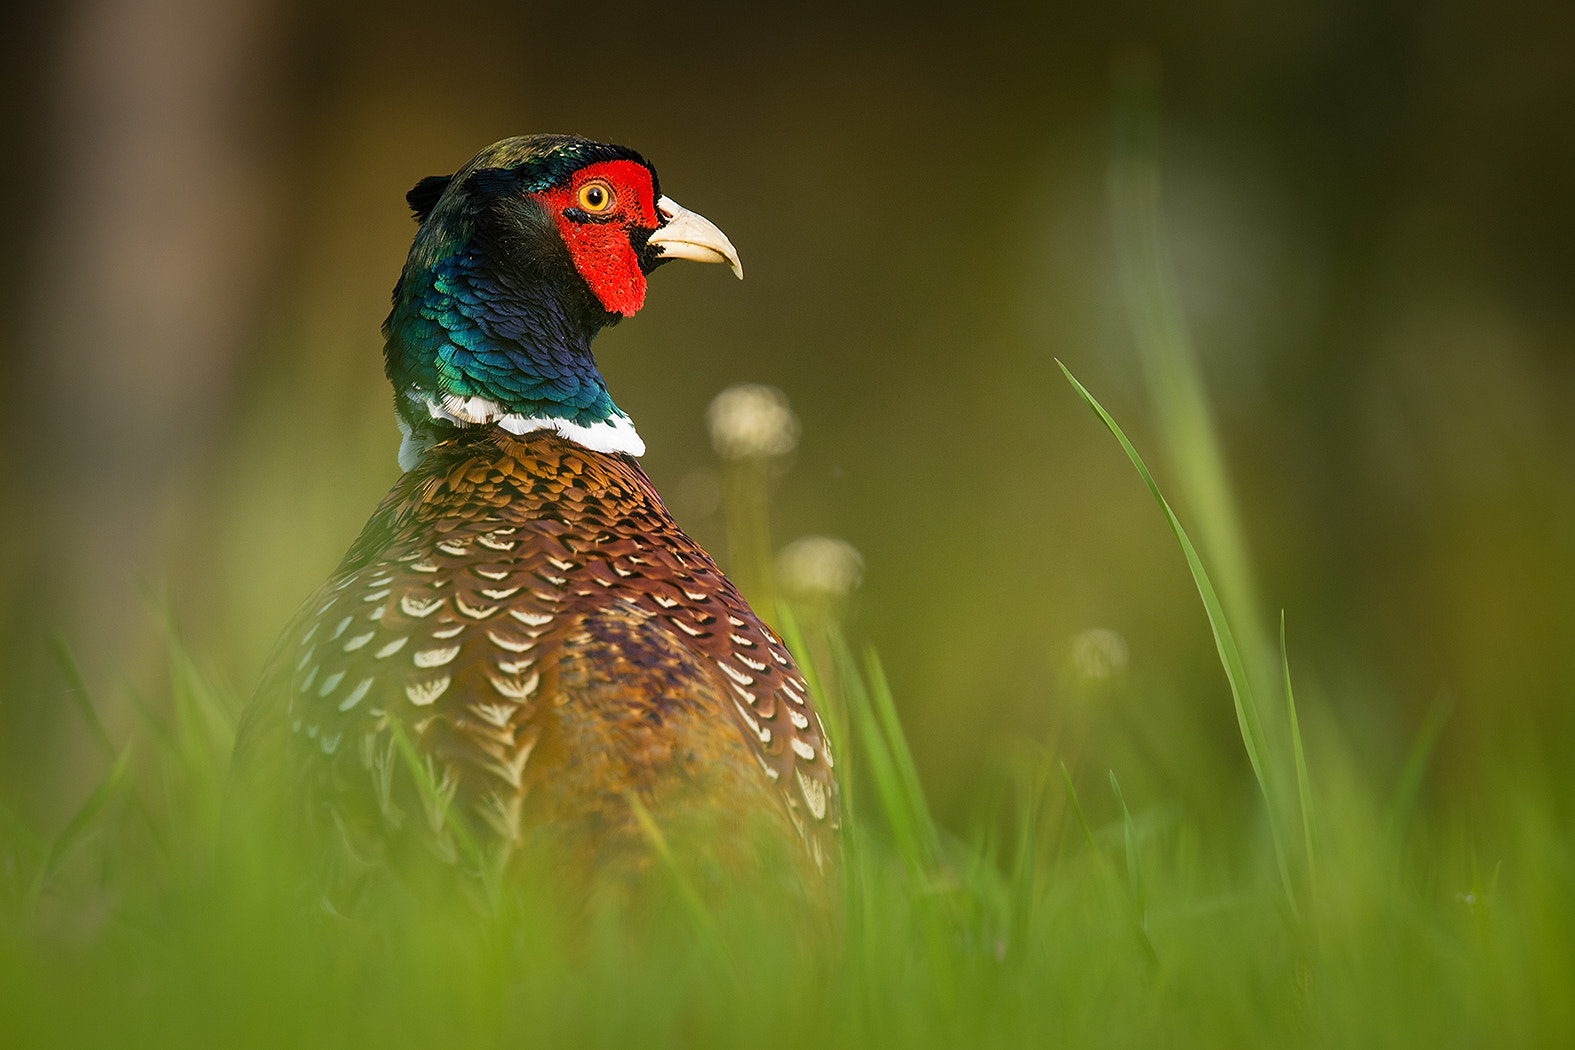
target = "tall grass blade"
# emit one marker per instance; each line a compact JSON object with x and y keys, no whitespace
{"x":78,"y":691}
{"x":911,"y":790}
{"x":437,"y":800}
{"x":1134,"y":858}
{"x":834,"y":718}
{"x":80,"y":696}
{"x":793,"y":634}
{"x":22,"y":854}
{"x":1139,"y":923}
{"x":1416,"y":763}
{"x":699,"y":914}
{"x":1303,"y":782}
{"x":18,"y":837}
{"x":1030,"y":791}
{"x":885,"y":780}
{"x":1248,"y":718}
{"x":1077,"y":810}
{"x":204,"y":726}
{"x":77,"y":829}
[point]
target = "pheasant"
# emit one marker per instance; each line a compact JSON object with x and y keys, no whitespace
{"x":522,"y":640}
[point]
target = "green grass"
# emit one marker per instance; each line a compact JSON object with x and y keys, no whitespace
{"x":152,"y":918}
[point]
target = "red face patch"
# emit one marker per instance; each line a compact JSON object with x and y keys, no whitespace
{"x":595,"y":213}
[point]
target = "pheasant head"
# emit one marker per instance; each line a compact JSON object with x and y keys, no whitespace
{"x":523,"y":255}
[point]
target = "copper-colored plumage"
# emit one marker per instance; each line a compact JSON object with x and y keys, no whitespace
{"x":528,"y":614}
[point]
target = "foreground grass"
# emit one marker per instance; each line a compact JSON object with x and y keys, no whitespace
{"x":1327,"y":914}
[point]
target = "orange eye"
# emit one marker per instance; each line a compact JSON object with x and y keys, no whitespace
{"x":595,"y":196}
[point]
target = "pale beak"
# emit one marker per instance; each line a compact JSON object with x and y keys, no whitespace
{"x":686,"y":235}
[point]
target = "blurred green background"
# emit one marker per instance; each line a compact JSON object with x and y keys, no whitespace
{"x":1370,"y":213}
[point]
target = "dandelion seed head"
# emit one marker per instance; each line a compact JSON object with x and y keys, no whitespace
{"x":751,"y":419}
{"x":1098,"y":654}
{"x":820,"y":567}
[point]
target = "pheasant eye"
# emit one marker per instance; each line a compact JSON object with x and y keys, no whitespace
{"x":595,"y":196}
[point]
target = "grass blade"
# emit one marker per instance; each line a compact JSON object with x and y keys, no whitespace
{"x":75,"y":833}
{"x":911,"y":790}
{"x":1416,"y":763}
{"x":437,"y":797}
{"x":1139,"y":923}
{"x":1030,"y":792}
{"x":1077,"y":811}
{"x":204,"y":726}
{"x":1134,"y":860}
{"x":699,"y":914}
{"x":876,"y":750}
{"x":793,"y":634}
{"x":1247,"y":715}
{"x":78,"y":691}
{"x":1303,"y":783}
{"x":22,"y":854}
{"x":80,"y":696}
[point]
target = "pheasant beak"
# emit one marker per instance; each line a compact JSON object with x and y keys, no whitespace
{"x":686,"y":235}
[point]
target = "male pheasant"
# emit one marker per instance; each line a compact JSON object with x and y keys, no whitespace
{"x":522,"y":640}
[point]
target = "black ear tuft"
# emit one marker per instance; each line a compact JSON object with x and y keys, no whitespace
{"x":423,"y":197}
{"x":493,"y":182}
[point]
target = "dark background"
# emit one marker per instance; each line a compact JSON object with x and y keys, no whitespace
{"x":1371,"y":211}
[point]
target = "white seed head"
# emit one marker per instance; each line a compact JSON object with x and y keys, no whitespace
{"x":750,"y":419}
{"x":1098,"y":654}
{"x":820,"y":567}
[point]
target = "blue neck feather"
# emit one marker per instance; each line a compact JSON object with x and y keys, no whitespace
{"x":461,"y":330}
{"x":467,"y":345}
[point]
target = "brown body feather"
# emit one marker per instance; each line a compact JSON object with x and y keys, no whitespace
{"x":529,"y":616}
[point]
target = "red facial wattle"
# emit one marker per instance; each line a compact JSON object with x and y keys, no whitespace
{"x":601,"y":248}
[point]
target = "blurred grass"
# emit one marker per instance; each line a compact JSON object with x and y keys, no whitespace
{"x":1334,"y":908}
{"x":156,"y":918}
